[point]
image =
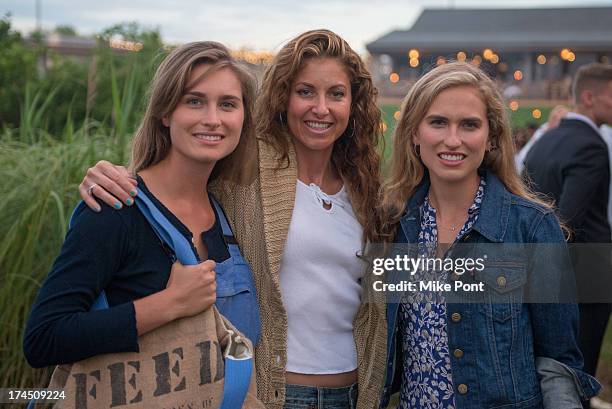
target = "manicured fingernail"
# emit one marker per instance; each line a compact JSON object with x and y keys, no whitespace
{"x":133,"y":192}
{"x":98,"y":209}
{"x":117,"y":205}
{"x":129,"y":201}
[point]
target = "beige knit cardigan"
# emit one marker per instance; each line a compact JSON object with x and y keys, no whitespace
{"x":259,"y":214}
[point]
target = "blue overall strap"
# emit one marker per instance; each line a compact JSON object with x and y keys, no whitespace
{"x":237,"y":371}
{"x":225,"y":227}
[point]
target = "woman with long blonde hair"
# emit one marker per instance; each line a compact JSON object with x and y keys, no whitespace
{"x":453,"y":185}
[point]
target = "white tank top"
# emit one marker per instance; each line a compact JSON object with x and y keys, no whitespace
{"x":319,"y":278}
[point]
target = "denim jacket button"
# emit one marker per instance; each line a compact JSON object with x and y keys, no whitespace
{"x":458,"y":353}
{"x":501,"y":281}
{"x":456,"y":317}
{"x":462,"y":389}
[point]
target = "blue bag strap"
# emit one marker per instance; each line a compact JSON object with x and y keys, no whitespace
{"x":237,"y":383}
{"x":166,"y":230}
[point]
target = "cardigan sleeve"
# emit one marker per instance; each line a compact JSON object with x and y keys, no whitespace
{"x":61,"y":328}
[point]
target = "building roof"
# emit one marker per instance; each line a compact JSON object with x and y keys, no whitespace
{"x":549,"y":29}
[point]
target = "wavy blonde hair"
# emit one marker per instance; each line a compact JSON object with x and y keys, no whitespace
{"x":152,"y":139}
{"x":406,"y":168}
{"x":354,"y":155}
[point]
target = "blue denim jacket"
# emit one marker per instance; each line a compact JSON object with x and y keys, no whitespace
{"x":513,"y":354}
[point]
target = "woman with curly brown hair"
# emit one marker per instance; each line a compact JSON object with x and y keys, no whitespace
{"x":302,"y":220}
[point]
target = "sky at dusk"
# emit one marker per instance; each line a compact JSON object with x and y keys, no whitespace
{"x":254,"y":24}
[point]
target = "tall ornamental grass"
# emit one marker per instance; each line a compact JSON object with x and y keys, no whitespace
{"x":38,"y":191}
{"x":39,"y":174}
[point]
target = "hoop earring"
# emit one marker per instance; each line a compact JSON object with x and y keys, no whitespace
{"x":417,"y":150}
{"x":352,"y":135}
{"x":280,"y":119}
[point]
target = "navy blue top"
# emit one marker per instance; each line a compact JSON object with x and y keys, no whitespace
{"x":114,"y":251}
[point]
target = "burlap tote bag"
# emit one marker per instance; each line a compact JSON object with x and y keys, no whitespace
{"x":180,"y":365}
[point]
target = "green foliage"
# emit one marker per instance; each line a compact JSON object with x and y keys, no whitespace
{"x":85,"y":87}
{"x":43,"y":156}
{"x":39,"y":178}
{"x":17,"y":68}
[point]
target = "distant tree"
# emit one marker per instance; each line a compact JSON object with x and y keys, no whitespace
{"x":65,"y":30}
{"x":17,"y":68}
{"x":131,"y":72}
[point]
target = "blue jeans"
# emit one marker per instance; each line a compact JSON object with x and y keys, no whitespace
{"x":312,"y":397}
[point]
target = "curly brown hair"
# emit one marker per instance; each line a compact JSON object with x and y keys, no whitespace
{"x":355,"y":155}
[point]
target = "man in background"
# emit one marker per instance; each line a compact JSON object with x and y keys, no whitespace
{"x":554,"y":119}
{"x":570,"y":165}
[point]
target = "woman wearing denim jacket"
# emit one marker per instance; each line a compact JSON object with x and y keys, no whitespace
{"x":453,"y":181}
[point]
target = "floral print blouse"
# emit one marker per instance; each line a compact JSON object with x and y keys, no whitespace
{"x":427,"y":380}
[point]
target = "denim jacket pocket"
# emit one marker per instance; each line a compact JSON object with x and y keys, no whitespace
{"x":503,"y":289}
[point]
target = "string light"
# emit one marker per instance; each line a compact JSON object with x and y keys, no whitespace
{"x":518,"y":75}
{"x":536,"y":113}
{"x":253,"y":57}
{"x":125,"y":45}
{"x":565,"y":53}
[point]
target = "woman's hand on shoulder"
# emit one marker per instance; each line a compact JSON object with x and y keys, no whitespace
{"x":110,"y":183}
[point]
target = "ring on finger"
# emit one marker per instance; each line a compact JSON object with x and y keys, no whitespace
{"x":90,"y":189}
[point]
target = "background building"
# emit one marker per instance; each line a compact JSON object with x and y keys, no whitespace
{"x":533,"y":53}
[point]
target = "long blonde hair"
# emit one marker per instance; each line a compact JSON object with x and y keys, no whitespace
{"x":354,"y":154}
{"x":407,"y":169}
{"x":152,"y":140}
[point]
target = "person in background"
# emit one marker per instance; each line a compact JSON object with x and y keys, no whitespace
{"x":452,"y":182}
{"x":606,"y":134}
{"x":554,"y":119}
{"x":570,"y":164}
{"x":303,"y":223}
